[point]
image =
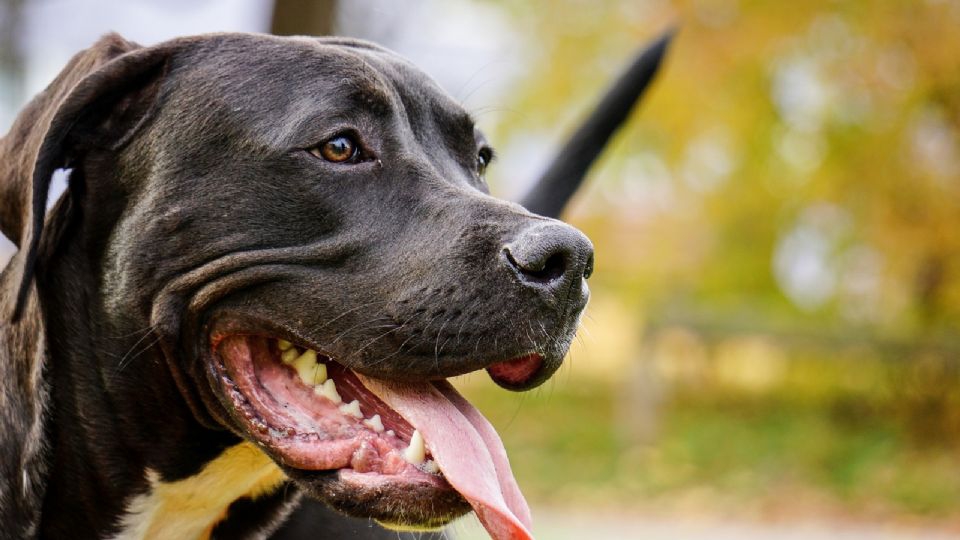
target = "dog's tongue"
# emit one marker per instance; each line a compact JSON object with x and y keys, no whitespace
{"x":467,"y":449}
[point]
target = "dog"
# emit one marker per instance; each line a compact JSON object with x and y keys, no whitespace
{"x":271,"y":254}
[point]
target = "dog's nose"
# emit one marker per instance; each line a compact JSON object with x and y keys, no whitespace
{"x":550,"y":256}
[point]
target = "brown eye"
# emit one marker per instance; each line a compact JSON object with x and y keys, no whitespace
{"x":337,"y":150}
{"x":484,"y":157}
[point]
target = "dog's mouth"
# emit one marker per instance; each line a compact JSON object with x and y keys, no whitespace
{"x":410,"y":454}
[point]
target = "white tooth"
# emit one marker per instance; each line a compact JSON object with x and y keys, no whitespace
{"x":374,"y":423}
{"x":306,"y":366}
{"x":284,"y":344}
{"x":391,"y":433}
{"x":352,"y":409}
{"x":289,"y":355}
{"x":328,"y":390}
{"x":430,"y":466}
{"x":416,"y":452}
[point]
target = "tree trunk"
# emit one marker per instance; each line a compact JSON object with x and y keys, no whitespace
{"x":303,"y":17}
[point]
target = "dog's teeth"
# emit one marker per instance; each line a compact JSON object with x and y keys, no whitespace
{"x":306,"y":366}
{"x":284,"y":345}
{"x":391,"y":433}
{"x":328,"y":390}
{"x":417,"y":451}
{"x":289,"y":355}
{"x":374,"y":423}
{"x":319,"y":374}
{"x":352,"y":409}
{"x":430,"y":466}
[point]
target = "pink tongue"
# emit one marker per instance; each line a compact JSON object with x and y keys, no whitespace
{"x":467,"y":449}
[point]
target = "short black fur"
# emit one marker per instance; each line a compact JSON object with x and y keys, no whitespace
{"x":193,"y":200}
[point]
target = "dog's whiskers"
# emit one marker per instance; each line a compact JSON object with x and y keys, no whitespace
{"x":394,"y":353}
{"x":476,"y":347}
{"x":128,"y":359}
{"x":400,"y":347}
{"x":460,"y":330}
{"x":144,"y":330}
{"x":374,"y":340}
{"x":363,"y":324}
{"x":328,"y":322}
{"x":438,"y":347}
{"x":531,"y":338}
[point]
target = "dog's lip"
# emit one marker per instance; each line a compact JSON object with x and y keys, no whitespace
{"x":242,"y":324}
{"x":516,"y":373}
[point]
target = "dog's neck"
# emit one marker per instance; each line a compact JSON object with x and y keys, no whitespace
{"x":23,"y":393}
{"x":193,"y":506}
{"x":122,"y":448}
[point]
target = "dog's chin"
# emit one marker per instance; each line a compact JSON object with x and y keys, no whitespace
{"x":334,"y":433}
{"x":401,"y":503}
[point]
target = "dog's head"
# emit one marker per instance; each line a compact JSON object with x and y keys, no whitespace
{"x":305,"y":225}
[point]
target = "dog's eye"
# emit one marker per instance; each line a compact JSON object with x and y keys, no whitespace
{"x":337,"y":150}
{"x":484,"y":157}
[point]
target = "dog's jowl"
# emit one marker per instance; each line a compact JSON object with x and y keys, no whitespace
{"x":271,"y":255}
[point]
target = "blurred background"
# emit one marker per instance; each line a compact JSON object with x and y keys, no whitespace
{"x":772,"y":346}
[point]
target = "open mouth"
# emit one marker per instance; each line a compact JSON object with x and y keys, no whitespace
{"x":416,"y":454}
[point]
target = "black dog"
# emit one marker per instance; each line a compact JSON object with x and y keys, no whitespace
{"x":271,"y":253}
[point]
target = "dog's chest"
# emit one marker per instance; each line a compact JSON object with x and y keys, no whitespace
{"x":190,"y":508}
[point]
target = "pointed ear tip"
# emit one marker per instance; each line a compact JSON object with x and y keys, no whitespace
{"x":113,"y":44}
{"x":113,"y":38}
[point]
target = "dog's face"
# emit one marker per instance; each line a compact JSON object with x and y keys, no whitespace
{"x":313,"y":239}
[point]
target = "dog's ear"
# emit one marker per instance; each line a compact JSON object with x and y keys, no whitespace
{"x":99,"y":100}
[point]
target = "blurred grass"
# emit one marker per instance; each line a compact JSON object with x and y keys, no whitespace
{"x":831,"y":437}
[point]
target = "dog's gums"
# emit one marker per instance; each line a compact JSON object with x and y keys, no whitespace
{"x":417,"y":441}
{"x":292,"y":394}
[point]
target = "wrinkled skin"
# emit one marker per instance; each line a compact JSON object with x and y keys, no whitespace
{"x":195,"y":205}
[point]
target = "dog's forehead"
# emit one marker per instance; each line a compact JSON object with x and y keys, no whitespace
{"x":297,"y":76}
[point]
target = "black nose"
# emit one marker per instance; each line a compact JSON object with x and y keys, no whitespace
{"x":550,"y":256}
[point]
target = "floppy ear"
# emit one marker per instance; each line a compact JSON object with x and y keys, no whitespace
{"x":99,"y":100}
